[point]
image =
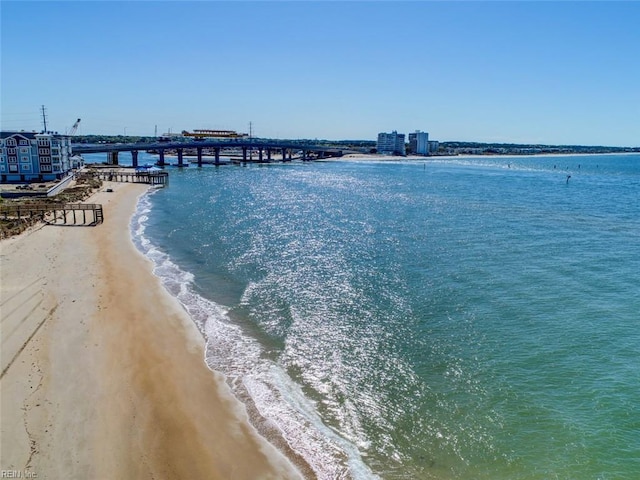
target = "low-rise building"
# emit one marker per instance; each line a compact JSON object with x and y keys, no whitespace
{"x":26,"y":156}
{"x":391,"y":143}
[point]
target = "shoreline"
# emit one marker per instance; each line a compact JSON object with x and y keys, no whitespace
{"x":410,"y":158}
{"x":103,"y":370}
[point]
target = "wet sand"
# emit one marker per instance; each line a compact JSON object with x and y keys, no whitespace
{"x":102,"y":370}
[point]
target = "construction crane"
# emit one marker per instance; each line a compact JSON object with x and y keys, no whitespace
{"x":72,"y":132}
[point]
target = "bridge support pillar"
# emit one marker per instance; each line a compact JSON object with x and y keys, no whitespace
{"x":290,"y":154}
{"x":260,"y":155}
{"x":268,"y":154}
{"x":180,"y":158}
{"x":134,"y":158}
{"x":217,"y":154}
{"x":199,"y":150}
{"x":161,"y":160}
{"x":244,"y":154}
{"x":304,"y":155}
{"x":284,"y":154}
{"x":112,"y":158}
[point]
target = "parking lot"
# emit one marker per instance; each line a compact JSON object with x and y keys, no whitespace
{"x":14,"y":189}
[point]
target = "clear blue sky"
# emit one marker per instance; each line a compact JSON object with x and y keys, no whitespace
{"x":523,"y":72}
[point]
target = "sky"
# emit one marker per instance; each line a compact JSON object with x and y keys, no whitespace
{"x":545,"y":72}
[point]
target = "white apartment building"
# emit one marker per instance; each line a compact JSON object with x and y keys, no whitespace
{"x":419,"y":143}
{"x":391,"y":143}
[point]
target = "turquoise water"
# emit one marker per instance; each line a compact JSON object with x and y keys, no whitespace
{"x":450,"y":319}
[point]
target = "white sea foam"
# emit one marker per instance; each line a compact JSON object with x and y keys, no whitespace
{"x":417,"y":321}
{"x":279,"y":402}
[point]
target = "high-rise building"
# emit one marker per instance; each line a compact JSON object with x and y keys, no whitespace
{"x":419,"y":143}
{"x":28,"y":156}
{"x":391,"y":143}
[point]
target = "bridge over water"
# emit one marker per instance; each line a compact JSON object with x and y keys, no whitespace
{"x":265,"y":149}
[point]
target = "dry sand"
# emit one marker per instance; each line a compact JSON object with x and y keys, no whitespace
{"x":103,"y":374}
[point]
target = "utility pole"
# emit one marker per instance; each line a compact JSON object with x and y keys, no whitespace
{"x":250,"y":139}
{"x":44,"y":118}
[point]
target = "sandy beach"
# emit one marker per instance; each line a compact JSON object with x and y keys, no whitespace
{"x":103,"y":374}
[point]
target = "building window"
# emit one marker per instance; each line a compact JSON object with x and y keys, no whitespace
{"x":24,"y":150}
{"x":11,"y":151}
{"x":43,"y":151}
{"x":13,"y":168}
{"x":24,"y":158}
{"x":26,"y":167}
{"x":45,"y":159}
{"x":11,"y":142}
{"x":45,"y":168}
{"x":13,"y":159}
{"x":1,"y":150}
{"x":24,"y":142}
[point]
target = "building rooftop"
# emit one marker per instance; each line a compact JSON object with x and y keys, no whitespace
{"x":30,"y":135}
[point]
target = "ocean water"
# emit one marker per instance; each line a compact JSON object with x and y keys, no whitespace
{"x":465,"y":318}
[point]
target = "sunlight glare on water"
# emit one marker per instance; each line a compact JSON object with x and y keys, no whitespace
{"x":458,"y":319}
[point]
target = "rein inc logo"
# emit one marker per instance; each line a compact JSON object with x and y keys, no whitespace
{"x":17,"y":474}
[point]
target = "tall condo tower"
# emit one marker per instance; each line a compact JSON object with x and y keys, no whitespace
{"x":391,"y":143}
{"x":419,"y":143}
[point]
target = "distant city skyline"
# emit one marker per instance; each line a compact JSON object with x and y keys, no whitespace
{"x":554,"y":73}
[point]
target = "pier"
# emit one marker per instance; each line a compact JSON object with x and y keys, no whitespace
{"x":68,"y":213}
{"x":150,"y":178}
